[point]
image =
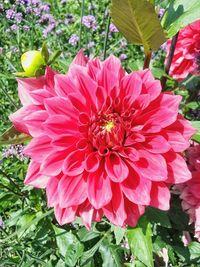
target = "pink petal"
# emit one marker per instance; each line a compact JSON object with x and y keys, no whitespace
{"x":38,"y":96}
{"x":59,"y":125}
{"x":66,"y":215}
{"x":73,"y":164}
{"x":137,"y":189}
{"x":115,"y":210}
{"x":72,"y":191}
{"x":160,"y":196}
{"x":34,"y":176}
{"x":26,"y":86}
{"x":178,"y":171}
{"x":18,"y":117}
{"x":60,"y":106}
{"x":99,"y":189}
{"x":92,"y":162}
{"x":134,"y":212}
{"x":156,"y":144}
{"x":38,"y":148}
{"x":52,"y":164}
{"x":151,"y":166}
{"x":80,"y":58}
{"x":116,"y":168}
{"x":86,"y":212}
{"x":64,"y":85}
{"x":131,"y":86}
{"x":52,"y":191}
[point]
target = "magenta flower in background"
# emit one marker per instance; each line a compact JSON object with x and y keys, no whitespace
{"x":190,"y":190}
{"x":187,"y":53}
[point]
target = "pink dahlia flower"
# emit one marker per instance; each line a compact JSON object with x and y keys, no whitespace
{"x":186,"y":58}
{"x":190,"y":190}
{"x":104,"y":142}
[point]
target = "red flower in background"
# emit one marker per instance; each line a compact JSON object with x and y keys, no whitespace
{"x":190,"y":191}
{"x":104,"y":142}
{"x":186,"y":58}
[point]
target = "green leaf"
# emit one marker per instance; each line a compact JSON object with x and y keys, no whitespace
{"x":54,"y":56}
{"x":87,"y":255}
{"x":138,"y":22}
{"x":194,"y":248}
{"x":119,"y":233}
{"x":139,"y":239}
{"x":192,"y":105}
{"x":179,"y":14}
{"x":158,"y":216}
{"x":196,"y":137}
{"x":45,"y":52}
{"x":12,"y":136}
{"x":69,"y":246}
{"x":110,"y":254}
{"x":23,"y":221}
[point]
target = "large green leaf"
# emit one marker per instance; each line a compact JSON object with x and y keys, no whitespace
{"x":12,"y":136}
{"x":139,"y":239}
{"x":69,"y":246}
{"x":138,"y":22}
{"x":111,"y":254}
{"x":179,"y":14}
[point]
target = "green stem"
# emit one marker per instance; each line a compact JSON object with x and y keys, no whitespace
{"x":106,"y":38}
{"x":9,"y":189}
{"x":7,"y":95}
{"x":81,"y":26}
{"x":11,"y":181}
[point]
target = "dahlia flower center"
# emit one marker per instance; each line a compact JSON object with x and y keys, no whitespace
{"x":109,"y":126}
{"x":106,"y":130}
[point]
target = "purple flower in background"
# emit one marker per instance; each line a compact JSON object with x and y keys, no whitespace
{"x":15,"y":49}
{"x":18,"y":17}
{"x":89,"y":22}
{"x":1,"y":222}
{"x":161,"y":12}
{"x":10,"y":14}
{"x":164,"y":46}
{"x":69,"y":19}
{"x":123,"y":43}
{"x":37,"y":11}
{"x":122,"y":57}
{"x":113,"y":28}
{"x":1,"y":50}
{"x":14,"y":151}
{"x":29,"y":10}
{"x":73,"y":40}
{"x":59,"y":32}
{"x":91,"y":44}
{"x":14,"y":28}
{"x":26,"y":28}
{"x":21,"y":2}
{"x":48,"y":29}
{"x":45,"y":8}
{"x":33,"y":2}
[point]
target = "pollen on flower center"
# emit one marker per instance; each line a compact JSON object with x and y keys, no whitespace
{"x":109,"y":126}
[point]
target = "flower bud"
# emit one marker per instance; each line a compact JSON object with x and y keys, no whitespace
{"x":32,"y":61}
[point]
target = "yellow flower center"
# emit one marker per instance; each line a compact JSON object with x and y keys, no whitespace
{"x":109,"y":125}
